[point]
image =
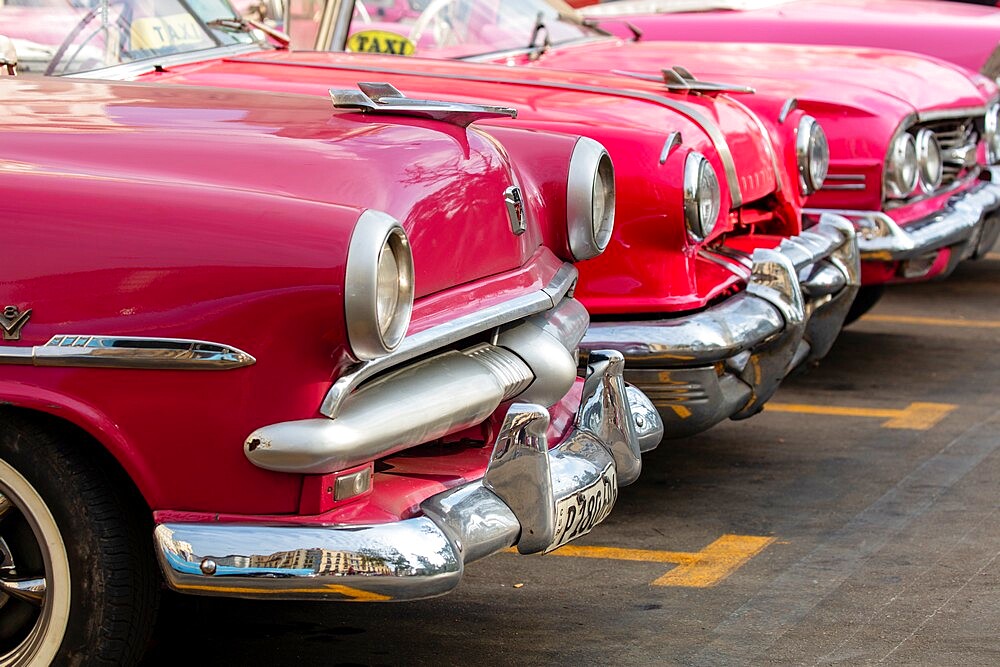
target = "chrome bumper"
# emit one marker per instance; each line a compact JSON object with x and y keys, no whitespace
{"x":969,"y":223}
{"x":523,"y":500}
{"x":728,"y":360}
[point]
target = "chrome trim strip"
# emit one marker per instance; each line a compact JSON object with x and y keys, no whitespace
{"x":452,"y":332}
{"x":127,"y":71}
{"x":674,"y":139}
{"x":693,"y":114}
{"x":945,"y":114}
{"x":426,"y":555}
{"x":95,"y":351}
{"x":386,"y":99}
{"x":786,"y":109}
{"x":776,"y":166}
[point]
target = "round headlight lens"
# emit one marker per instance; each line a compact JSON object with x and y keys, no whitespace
{"x":992,"y":133}
{"x":702,"y":198}
{"x":378,"y":298}
{"x":813,"y":154}
{"x":590,"y":199}
{"x":901,"y":167}
{"x":929,"y":162}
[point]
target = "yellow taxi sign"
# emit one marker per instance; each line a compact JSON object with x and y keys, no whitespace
{"x":161,"y":32}
{"x":380,"y":41}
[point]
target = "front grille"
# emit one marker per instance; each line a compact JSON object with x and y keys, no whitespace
{"x":958,"y":138}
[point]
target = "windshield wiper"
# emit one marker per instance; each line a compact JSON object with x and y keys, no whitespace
{"x":248,"y":25}
{"x":546,"y":43}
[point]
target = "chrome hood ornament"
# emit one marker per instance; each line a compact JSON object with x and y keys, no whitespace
{"x":384,"y":98}
{"x":679,"y":80}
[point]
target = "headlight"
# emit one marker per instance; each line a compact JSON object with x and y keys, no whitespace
{"x":929,"y":163}
{"x":702,"y":200}
{"x":992,"y":133}
{"x":378,"y":295}
{"x":901,"y":167}
{"x":813,"y":153}
{"x":590,"y":199}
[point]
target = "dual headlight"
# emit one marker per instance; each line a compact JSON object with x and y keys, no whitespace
{"x":590,"y":199}
{"x":992,"y":133}
{"x":378,"y":295}
{"x":702,"y":199}
{"x":913,"y":161}
{"x":812,"y":152}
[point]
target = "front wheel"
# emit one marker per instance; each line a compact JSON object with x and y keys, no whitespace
{"x":78,"y":583}
{"x":867,"y":297}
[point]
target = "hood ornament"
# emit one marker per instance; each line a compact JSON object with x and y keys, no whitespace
{"x":679,"y":80}
{"x":384,"y":98}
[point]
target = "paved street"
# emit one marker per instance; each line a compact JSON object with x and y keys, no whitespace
{"x":854,"y":522}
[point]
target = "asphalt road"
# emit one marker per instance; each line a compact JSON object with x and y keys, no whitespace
{"x":856,"y":522}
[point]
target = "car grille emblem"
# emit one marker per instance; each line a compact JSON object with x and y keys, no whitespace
{"x":12,"y":320}
{"x":515,"y":209}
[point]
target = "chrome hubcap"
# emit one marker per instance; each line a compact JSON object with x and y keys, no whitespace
{"x":32,"y":556}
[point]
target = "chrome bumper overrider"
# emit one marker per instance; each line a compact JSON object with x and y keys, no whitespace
{"x":523,"y":500}
{"x":728,"y":360}
{"x":969,"y":223}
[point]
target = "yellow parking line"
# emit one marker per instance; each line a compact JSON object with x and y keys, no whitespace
{"x":992,"y":255}
{"x":699,"y":569}
{"x":915,"y":416}
{"x":933,"y":321}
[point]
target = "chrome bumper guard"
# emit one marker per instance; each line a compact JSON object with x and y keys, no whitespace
{"x":969,"y":223}
{"x":728,"y":360}
{"x":531,"y":497}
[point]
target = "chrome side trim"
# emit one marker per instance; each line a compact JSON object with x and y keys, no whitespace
{"x":765,"y":139}
{"x":385,"y":99}
{"x":425,"y":555}
{"x":674,"y":140}
{"x":90,"y":351}
{"x":452,"y":332}
{"x":693,"y":114}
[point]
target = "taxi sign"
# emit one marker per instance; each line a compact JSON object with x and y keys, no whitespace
{"x":380,"y":41}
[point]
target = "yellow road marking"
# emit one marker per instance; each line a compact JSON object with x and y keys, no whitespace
{"x":347,"y":591}
{"x":992,"y":255}
{"x":916,"y":416}
{"x":933,"y":321}
{"x":699,"y":569}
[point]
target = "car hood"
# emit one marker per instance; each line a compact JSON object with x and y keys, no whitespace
{"x":442,"y":182}
{"x":965,"y":34}
{"x":575,"y":102}
{"x":832,"y":73}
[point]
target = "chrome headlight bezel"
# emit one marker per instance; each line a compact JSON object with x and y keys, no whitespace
{"x":991,"y":132}
{"x":930,"y":163}
{"x":901,"y":167}
{"x":590,"y":199}
{"x":812,"y":152}
{"x":371,"y":332}
{"x":702,"y":196}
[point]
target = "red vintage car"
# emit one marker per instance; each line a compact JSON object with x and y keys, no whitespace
{"x":964,"y":34}
{"x":904,"y":130}
{"x":293,"y":349}
{"x":709,"y":287}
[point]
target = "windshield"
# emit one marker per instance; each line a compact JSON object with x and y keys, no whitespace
{"x":68,"y":37}
{"x":460,"y":28}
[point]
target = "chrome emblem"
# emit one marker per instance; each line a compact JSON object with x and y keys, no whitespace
{"x":12,"y":320}
{"x":515,"y":209}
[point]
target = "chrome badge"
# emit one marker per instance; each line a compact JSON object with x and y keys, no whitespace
{"x":515,"y":209}
{"x":12,"y":320}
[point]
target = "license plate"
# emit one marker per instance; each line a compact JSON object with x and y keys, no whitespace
{"x":576,"y":515}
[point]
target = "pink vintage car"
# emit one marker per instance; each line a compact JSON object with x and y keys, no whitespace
{"x":709,"y":287}
{"x":964,"y":34}
{"x":289,"y":350}
{"x":911,"y":138}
